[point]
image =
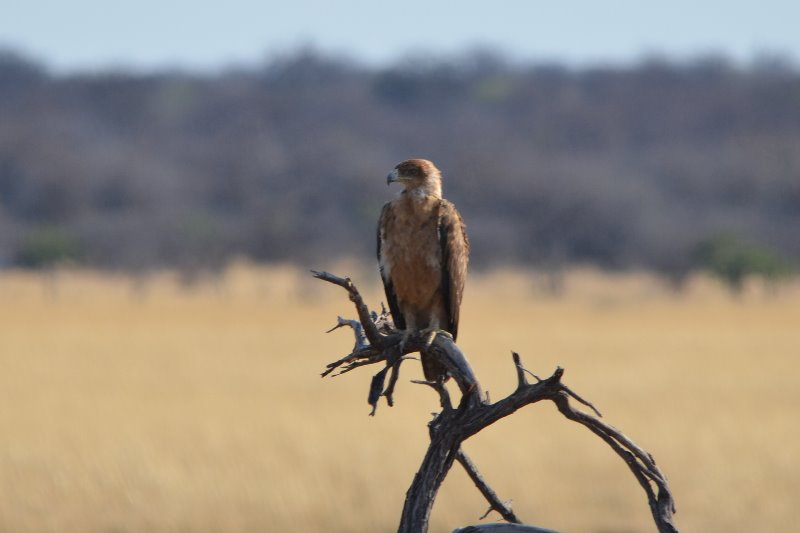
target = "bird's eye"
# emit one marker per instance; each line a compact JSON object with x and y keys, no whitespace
{"x":413,"y":171}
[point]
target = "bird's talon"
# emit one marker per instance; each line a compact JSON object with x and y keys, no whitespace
{"x":430,"y":334}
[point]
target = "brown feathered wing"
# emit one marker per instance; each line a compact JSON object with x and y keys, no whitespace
{"x":388,"y":286}
{"x":455,"y":256}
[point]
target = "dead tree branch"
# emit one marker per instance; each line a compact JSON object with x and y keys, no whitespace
{"x":378,"y":342}
{"x":495,"y":503}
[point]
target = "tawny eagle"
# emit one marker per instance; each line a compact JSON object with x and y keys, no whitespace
{"x":422,"y":253}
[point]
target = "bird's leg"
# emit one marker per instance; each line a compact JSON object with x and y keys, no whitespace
{"x":430,"y":334}
{"x":404,"y":339}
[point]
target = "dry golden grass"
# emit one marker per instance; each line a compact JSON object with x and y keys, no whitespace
{"x":152,"y":407}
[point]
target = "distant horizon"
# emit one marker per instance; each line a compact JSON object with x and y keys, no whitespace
{"x":778,"y":59}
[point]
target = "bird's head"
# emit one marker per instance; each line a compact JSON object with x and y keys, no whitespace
{"x":418,"y":176}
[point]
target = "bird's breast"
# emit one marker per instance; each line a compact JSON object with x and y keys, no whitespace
{"x":411,"y":253}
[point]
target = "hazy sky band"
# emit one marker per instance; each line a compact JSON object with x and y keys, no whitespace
{"x":86,"y":34}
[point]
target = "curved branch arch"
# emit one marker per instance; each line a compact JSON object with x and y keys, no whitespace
{"x":376,"y":341}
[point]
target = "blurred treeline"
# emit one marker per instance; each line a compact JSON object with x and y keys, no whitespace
{"x":655,"y":165}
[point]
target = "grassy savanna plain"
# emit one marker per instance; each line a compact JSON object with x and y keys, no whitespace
{"x":146,"y":405}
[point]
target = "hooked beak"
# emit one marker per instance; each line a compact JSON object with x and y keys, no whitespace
{"x":394,"y":175}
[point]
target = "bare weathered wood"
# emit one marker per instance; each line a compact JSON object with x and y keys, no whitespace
{"x":364,"y":316}
{"x":503,"y":528}
{"x":452,"y":426}
{"x":495,"y":503}
{"x":425,"y":485}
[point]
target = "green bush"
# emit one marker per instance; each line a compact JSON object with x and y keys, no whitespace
{"x":732,"y":259}
{"x":46,"y":247}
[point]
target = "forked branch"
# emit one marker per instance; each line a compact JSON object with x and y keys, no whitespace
{"x":377,"y":341}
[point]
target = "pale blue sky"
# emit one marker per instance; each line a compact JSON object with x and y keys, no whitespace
{"x":88,"y":34}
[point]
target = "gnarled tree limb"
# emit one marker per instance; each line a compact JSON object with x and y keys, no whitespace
{"x":377,"y":341}
{"x":495,"y":503}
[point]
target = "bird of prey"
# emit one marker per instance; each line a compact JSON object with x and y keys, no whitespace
{"x":422,"y":254}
